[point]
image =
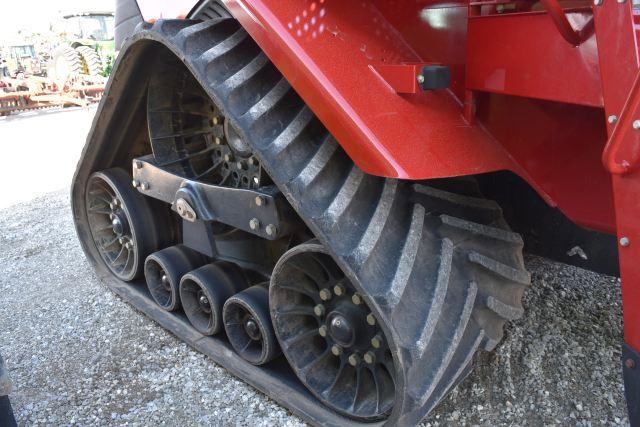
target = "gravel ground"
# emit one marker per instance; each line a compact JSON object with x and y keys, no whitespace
{"x":79,"y":354}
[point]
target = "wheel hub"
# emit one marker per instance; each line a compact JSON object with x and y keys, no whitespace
{"x":203,"y":302}
{"x":165,"y":282}
{"x":342,"y":328}
{"x":118,"y":225}
{"x":252,"y":329}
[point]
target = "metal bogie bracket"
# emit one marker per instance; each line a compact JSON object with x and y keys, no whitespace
{"x":261,"y":212}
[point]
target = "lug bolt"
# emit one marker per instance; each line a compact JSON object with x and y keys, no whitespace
{"x":121,"y":240}
{"x":138,"y":164}
{"x":260,"y":201}
{"x":271,"y":230}
{"x":354,"y":359}
{"x":339,"y":289}
{"x":371,"y":320}
{"x":376,"y":341}
{"x":128,"y":245}
{"x":630,"y":363}
{"x":240,"y":165}
{"x":322,"y":330}
{"x":144,"y":186}
{"x":370,"y":357}
{"x":135,"y":183}
{"x":325,"y":294}
{"x":228,"y":157}
{"x":636,"y":124}
{"x":319,"y":310}
{"x":356,"y":299}
{"x":215,"y":120}
{"x":254,"y":224}
{"x":112,"y":217}
{"x":336,"y":350}
{"x":217,"y":141}
{"x":624,"y":241}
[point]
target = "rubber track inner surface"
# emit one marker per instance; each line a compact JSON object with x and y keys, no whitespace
{"x":440,"y":268}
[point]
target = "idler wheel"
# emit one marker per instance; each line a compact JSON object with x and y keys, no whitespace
{"x":248,"y":325}
{"x":204,"y":291}
{"x":164,"y":270}
{"x":125,"y":226}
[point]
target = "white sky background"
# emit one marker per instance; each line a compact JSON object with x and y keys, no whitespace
{"x":35,"y":15}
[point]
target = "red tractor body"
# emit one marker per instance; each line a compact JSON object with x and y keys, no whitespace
{"x":534,"y":89}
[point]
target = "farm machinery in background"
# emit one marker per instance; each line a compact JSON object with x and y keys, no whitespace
{"x":73,"y":75}
{"x":87,"y":45}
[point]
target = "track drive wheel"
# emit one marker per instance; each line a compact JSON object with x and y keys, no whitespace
{"x":329,"y":335}
{"x":124,"y":227}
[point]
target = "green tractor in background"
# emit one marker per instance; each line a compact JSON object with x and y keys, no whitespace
{"x":88,"y":45}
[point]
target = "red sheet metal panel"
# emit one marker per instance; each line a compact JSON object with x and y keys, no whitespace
{"x":524,"y":54}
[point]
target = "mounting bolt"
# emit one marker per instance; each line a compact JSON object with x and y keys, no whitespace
{"x":121,"y":240}
{"x":376,"y":341}
{"x":271,"y":230}
{"x":260,"y":201}
{"x":336,"y":350}
{"x":322,"y":330}
{"x":370,"y":357}
{"x":325,"y":294}
{"x":135,"y":183}
{"x":356,"y":299}
{"x":630,"y":363}
{"x":319,"y":310}
{"x":371,"y":320}
{"x":215,"y":120}
{"x":339,"y":289}
{"x":354,"y":359}
{"x":612,"y":119}
{"x":138,"y":164}
{"x":217,"y":141}
{"x":624,"y":241}
{"x":144,"y":186}
{"x":254,"y":224}
{"x":636,"y":124}
{"x":420,"y":79}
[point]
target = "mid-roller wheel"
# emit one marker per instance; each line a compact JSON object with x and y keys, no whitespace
{"x":164,"y":270}
{"x":330,"y":337}
{"x":248,"y":326}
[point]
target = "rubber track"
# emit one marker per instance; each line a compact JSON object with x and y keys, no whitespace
{"x":440,"y":270}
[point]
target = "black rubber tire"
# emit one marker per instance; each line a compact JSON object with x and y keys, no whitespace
{"x":255,"y":302}
{"x":174,"y":262}
{"x":218,"y":282}
{"x":435,"y":261}
{"x":91,"y":62}
{"x":148,"y":223}
{"x":66,"y":63}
